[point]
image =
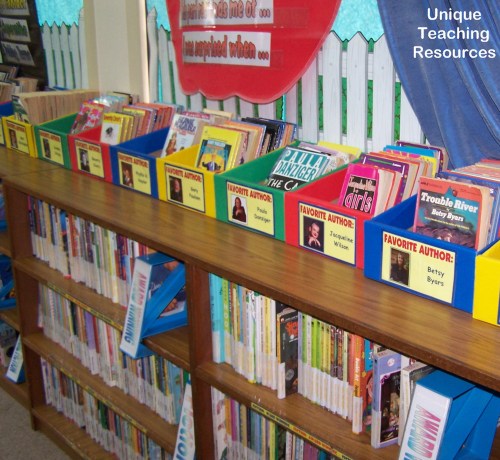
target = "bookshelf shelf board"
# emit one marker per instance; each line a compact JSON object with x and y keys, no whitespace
{"x":85,"y":297}
{"x":319,"y":423}
{"x":126,"y":406}
{"x":173,"y":345}
{"x":11,"y":317}
{"x":4,"y":243}
{"x":72,"y":439}
{"x":13,"y":163}
{"x":19,"y":391}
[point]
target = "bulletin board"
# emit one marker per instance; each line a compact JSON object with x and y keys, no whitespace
{"x":21,"y":40}
{"x":255,"y":49}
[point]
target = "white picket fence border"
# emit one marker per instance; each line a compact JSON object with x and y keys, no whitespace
{"x":65,"y":55}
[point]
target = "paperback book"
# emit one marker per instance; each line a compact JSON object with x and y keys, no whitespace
{"x":453,"y":211}
{"x":366,"y":188}
{"x":295,"y":167}
{"x":185,"y":131}
{"x":218,"y":148}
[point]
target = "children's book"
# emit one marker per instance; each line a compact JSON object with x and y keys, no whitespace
{"x":410,"y":375}
{"x":287,"y":334}
{"x":386,"y":388}
{"x":453,"y":211}
{"x":157,"y":301}
{"x":15,"y":371}
{"x":114,"y":128}
{"x":185,"y":131}
{"x":493,"y":185}
{"x":366,"y":188}
{"x":401,"y":170}
{"x":184,"y":445}
{"x":295,"y":167}
{"x":89,"y":116}
{"x":218,"y":148}
{"x":8,"y":339}
{"x":439,"y":152}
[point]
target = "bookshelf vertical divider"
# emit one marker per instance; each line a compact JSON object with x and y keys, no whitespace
{"x":200,"y":347}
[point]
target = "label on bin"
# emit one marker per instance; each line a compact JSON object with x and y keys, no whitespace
{"x":89,"y":158}
{"x":134,"y":173}
{"x":185,"y":187}
{"x":250,"y":207}
{"x":329,"y":233}
{"x":427,"y":269}
{"x":51,"y":147}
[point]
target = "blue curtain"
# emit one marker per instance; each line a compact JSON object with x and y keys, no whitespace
{"x":446,"y":53}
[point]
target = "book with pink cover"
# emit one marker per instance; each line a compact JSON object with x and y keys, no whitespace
{"x":399,"y":167}
{"x":366,"y":188}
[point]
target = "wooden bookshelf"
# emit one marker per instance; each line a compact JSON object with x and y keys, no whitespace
{"x":19,"y":391}
{"x":121,"y":403}
{"x":68,"y":436}
{"x":434,"y":333}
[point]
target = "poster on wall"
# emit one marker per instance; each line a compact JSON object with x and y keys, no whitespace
{"x":255,"y":49}
{"x":20,"y":39}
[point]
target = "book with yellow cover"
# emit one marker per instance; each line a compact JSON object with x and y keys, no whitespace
{"x":218,"y":148}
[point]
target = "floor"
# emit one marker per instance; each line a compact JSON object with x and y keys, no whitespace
{"x":18,"y":441}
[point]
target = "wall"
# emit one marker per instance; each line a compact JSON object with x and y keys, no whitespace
{"x":116,"y":45}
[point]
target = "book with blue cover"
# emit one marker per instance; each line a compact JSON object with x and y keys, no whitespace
{"x":157,"y":301}
{"x":444,"y":412}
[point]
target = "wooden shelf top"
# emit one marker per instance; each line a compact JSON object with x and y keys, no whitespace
{"x":329,"y":290}
{"x":13,"y":163}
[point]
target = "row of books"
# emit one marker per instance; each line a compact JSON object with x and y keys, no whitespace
{"x":91,"y":111}
{"x":38,"y":107}
{"x":273,"y":345}
{"x":112,"y":431}
{"x":381,"y":180}
{"x":241,"y":432}
{"x":152,"y":380}
{"x":135,"y":120}
{"x":224,"y":142}
{"x":83,"y":251}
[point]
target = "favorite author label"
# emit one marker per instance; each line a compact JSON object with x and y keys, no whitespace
{"x":250,"y":207}
{"x":51,"y":147}
{"x":185,"y":187}
{"x":134,"y":173}
{"x":327,"y":232}
{"x":18,"y":137}
{"x":89,"y":158}
{"x":427,"y":269}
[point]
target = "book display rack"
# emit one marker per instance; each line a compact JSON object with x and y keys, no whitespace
{"x":331,"y":291}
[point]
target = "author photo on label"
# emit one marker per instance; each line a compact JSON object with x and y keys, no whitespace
{"x":313,"y":233}
{"x":127,"y":178}
{"x":400,"y":266}
{"x":176,"y":189}
{"x":239,"y":213}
